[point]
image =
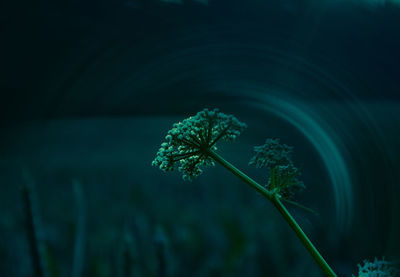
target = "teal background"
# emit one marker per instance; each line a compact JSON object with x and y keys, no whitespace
{"x":89,"y":89}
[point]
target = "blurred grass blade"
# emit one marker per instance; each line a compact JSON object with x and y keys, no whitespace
{"x":80,"y":231}
{"x":300,"y":206}
{"x":31,"y":228}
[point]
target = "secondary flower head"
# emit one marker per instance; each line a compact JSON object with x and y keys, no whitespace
{"x":378,"y":268}
{"x":188,"y":142}
{"x":276,"y":158}
{"x":271,"y":154}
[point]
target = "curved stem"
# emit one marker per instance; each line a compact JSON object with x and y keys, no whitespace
{"x":274,"y":198}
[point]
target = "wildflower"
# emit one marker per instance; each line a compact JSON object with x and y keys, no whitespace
{"x":377,"y":268}
{"x":271,"y":154}
{"x":190,"y":141}
{"x":285,"y":181}
{"x":276,"y":158}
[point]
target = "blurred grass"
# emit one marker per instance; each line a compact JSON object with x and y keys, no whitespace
{"x":215,"y":225}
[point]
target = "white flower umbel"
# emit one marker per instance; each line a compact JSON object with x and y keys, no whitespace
{"x":272,"y":153}
{"x":283,"y":175}
{"x":378,"y":268}
{"x":189,"y":141}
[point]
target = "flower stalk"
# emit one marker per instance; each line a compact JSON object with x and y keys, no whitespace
{"x":275,"y":199}
{"x":267,"y":194}
{"x":192,"y":144}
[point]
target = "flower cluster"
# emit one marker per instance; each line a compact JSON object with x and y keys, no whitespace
{"x":189,"y":141}
{"x":271,"y":154}
{"x":377,"y":268}
{"x":276,"y":158}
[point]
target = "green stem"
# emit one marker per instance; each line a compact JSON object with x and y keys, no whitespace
{"x":240,"y":174}
{"x":303,"y":237}
{"x":274,"y":198}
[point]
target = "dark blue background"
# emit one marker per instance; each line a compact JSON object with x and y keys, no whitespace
{"x":90,"y":88}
